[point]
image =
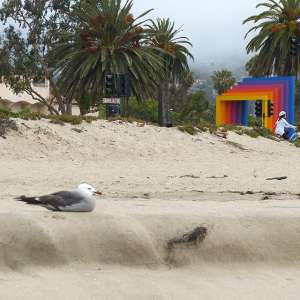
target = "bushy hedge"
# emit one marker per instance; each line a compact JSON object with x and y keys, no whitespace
{"x":27,"y":115}
{"x":146,"y":110}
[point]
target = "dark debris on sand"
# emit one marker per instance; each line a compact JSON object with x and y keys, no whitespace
{"x":7,"y":124}
{"x":197,"y":235}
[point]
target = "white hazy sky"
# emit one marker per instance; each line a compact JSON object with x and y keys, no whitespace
{"x":213,"y":26}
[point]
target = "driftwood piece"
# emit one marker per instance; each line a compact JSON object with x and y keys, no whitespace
{"x":237,"y":145}
{"x":193,"y":237}
{"x":189,"y":176}
{"x":218,"y":177}
{"x":221,"y":134}
{"x":277,"y":178}
{"x":57,"y":122}
{"x":77,"y":130}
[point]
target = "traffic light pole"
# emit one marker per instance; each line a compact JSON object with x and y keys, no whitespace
{"x":297,"y":66}
{"x":116,"y":90}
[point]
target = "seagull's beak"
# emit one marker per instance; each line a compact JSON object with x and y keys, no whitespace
{"x":98,"y":193}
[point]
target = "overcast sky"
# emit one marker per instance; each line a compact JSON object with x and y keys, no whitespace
{"x":213,"y":26}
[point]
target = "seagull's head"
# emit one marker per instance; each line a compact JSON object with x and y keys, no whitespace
{"x":88,"y":189}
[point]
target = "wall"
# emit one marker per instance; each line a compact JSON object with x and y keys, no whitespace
{"x":42,"y":88}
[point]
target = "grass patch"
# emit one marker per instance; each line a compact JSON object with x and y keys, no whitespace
{"x":27,"y":115}
{"x":129,"y":120}
{"x":188,"y":128}
{"x":297,"y":144}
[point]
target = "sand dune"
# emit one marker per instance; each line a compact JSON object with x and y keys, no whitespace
{"x":158,"y":185}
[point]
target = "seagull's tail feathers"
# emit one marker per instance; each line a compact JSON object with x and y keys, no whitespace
{"x":29,"y":200}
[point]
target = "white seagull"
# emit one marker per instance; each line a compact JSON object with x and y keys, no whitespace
{"x":79,"y":200}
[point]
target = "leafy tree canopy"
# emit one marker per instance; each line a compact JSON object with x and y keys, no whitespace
{"x":277,"y":24}
{"x":31,"y":28}
{"x":108,"y":39}
{"x":223,"y":80}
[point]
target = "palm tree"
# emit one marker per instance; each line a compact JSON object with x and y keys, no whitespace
{"x":276,"y":25}
{"x":223,"y":80}
{"x":250,"y":66}
{"x":164,"y":37}
{"x":107,"y":39}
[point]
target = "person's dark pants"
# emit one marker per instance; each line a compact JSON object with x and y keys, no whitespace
{"x":290,"y":134}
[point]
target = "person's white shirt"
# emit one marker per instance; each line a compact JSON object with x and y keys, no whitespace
{"x":281,"y":124}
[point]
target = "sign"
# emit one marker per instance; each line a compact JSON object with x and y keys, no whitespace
{"x":111,"y":100}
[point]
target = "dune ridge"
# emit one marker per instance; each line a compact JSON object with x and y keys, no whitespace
{"x":51,"y":240}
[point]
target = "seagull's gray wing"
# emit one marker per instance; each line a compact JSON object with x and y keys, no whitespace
{"x":61,"y":199}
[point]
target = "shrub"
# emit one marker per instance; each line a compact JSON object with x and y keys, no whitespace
{"x":74,"y":120}
{"x":142,"y":110}
{"x":195,"y":110}
{"x":253,"y":121}
{"x":190,"y":129}
{"x":297,"y":143}
{"x":251,"y":132}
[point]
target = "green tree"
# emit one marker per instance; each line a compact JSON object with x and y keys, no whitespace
{"x":178,"y":93}
{"x":31,"y":28}
{"x":195,"y":110}
{"x":223,"y":80}
{"x":163,"y":35}
{"x":107,"y":39}
{"x":250,"y":66}
{"x":276,"y":26}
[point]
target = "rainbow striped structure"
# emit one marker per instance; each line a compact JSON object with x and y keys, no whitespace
{"x":232,"y":107}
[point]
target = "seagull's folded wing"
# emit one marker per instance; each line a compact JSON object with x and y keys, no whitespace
{"x":62,"y":199}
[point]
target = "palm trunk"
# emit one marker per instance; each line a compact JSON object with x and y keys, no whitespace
{"x":163,"y":105}
{"x":69,"y":108}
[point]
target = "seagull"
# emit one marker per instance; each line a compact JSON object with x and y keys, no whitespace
{"x":80,"y":199}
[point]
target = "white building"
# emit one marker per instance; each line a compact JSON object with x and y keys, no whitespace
{"x":42,"y":88}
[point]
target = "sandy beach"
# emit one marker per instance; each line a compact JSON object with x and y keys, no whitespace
{"x":158,"y":184}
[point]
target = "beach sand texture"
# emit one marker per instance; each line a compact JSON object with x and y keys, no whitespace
{"x":158,"y":184}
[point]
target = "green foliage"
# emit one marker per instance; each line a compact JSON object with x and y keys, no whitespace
{"x":297,"y":143}
{"x":171,"y":46}
{"x":253,"y":121}
{"x":168,"y":41}
{"x":24,"y":45}
{"x":27,"y":115}
{"x":128,"y":120}
{"x":86,"y":101}
{"x":276,"y":25}
{"x":251,"y":66}
{"x":254,"y":132}
{"x":223,"y":80}
{"x":74,"y":120}
{"x":189,"y":128}
{"x":194,"y":110}
{"x":143,"y":110}
{"x":108,"y":38}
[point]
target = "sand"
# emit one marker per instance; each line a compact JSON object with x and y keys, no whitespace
{"x":159,"y":183}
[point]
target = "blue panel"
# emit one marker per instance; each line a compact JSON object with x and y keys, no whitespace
{"x":289,"y":93}
{"x":245,"y":113}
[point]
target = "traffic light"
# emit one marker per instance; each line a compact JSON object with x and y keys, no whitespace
{"x":258,"y":108}
{"x":123,"y":85}
{"x":294,"y":46}
{"x":270,"y":108}
{"x":109,"y":85}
